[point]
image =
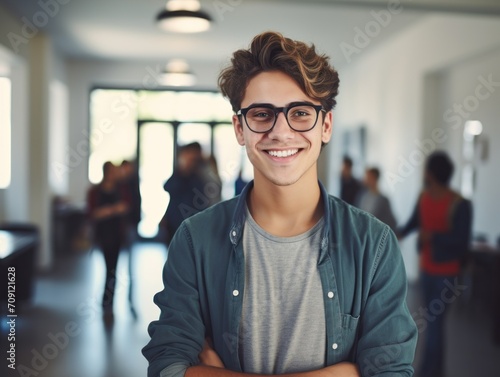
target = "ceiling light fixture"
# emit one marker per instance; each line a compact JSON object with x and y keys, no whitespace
{"x":177,"y":73}
{"x":183,"y":16}
{"x":473,"y":127}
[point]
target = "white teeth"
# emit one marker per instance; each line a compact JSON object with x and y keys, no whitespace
{"x":286,"y":153}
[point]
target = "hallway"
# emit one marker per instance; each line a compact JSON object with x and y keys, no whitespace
{"x":61,"y":333}
{"x":64,"y":321}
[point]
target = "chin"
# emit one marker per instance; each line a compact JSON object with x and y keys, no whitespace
{"x":282,"y":181}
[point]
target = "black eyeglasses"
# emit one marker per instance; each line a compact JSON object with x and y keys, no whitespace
{"x":261,"y":118}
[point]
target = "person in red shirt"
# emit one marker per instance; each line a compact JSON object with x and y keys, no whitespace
{"x":443,"y":219}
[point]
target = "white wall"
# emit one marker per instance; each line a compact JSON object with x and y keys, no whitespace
{"x":84,"y":75}
{"x":33,"y":68}
{"x":462,"y":82}
{"x":46,"y":67}
{"x":10,"y":27}
{"x":384,"y":89}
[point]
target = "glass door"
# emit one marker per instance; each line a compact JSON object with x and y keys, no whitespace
{"x":156,"y":161}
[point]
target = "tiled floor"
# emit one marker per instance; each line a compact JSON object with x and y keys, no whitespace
{"x":61,"y":333}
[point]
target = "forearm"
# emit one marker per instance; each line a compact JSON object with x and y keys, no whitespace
{"x":110,"y":210}
{"x":339,"y":370}
{"x":101,"y":213}
{"x":412,"y":223}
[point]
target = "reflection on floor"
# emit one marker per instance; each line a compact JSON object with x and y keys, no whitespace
{"x":61,"y":333}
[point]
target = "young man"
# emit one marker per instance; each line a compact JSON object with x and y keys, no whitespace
{"x":183,"y":184}
{"x":283,"y":279}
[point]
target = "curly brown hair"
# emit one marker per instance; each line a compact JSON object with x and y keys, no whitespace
{"x":271,"y":51}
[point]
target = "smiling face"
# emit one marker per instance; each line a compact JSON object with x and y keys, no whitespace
{"x":281,"y":156}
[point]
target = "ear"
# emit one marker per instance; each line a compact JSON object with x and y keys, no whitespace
{"x":327,"y":128}
{"x":238,"y":130}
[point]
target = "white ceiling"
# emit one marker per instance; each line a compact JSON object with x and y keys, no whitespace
{"x":125,"y":29}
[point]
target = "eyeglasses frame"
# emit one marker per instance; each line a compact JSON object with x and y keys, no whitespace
{"x":277,"y":110}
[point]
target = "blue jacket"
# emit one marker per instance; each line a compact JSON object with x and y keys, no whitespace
{"x":362,"y":274}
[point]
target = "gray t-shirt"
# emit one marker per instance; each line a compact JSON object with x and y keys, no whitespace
{"x":282,"y":327}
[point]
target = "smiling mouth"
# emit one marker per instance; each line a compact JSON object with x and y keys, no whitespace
{"x":283,"y":153}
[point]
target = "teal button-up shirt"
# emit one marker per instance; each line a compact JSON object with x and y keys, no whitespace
{"x":362,"y":275}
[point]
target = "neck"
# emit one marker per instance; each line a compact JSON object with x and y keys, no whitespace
{"x":286,"y":211}
{"x":437,"y":191}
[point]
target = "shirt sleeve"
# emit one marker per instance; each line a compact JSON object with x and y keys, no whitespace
{"x":174,"y":370}
{"x":387,"y":333}
{"x":177,"y":337}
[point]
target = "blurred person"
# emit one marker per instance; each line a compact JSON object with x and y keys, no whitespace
{"x":185,"y":187}
{"x":496,"y":298}
{"x":372,"y":201}
{"x":239,"y":183}
{"x":129,"y":184}
{"x":212,"y":184}
{"x":284,"y":278}
{"x":108,"y":209}
{"x":443,"y":219}
{"x":496,"y":301}
{"x":130,"y":189}
{"x":350,"y":187}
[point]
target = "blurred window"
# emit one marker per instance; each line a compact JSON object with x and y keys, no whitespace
{"x":191,"y":132}
{"x":156,"y":164}
{"x":113,"y":129}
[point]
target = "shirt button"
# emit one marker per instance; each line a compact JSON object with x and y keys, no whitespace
{"x":335,"y":346}
{"x":330,"y":294}
{"x":234,"y":233}
{"x":236,"y":292}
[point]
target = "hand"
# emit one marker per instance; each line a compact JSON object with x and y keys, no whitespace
{"x":344,"y":369}
{"x":120,"y":208}
{"x":208,"y":356}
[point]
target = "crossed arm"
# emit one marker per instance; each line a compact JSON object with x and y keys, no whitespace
{"x":212,"y":366}
{"x":102,"y":212}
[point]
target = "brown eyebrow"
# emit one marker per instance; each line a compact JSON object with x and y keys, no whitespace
{"x":290,"y":104}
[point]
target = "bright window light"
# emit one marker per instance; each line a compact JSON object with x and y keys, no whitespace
{"x":156,"y":166}
{"x":5,"y":132}
{"x":191,"y":132}
{"x":113,"y":129}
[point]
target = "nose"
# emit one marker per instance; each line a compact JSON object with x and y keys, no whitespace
{"x":281,"y":130}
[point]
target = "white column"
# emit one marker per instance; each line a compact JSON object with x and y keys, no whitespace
{"x":39,"y":190}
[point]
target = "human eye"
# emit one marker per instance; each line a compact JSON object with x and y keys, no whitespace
{"x":301,"y":112}
{"x":260,"y":114}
